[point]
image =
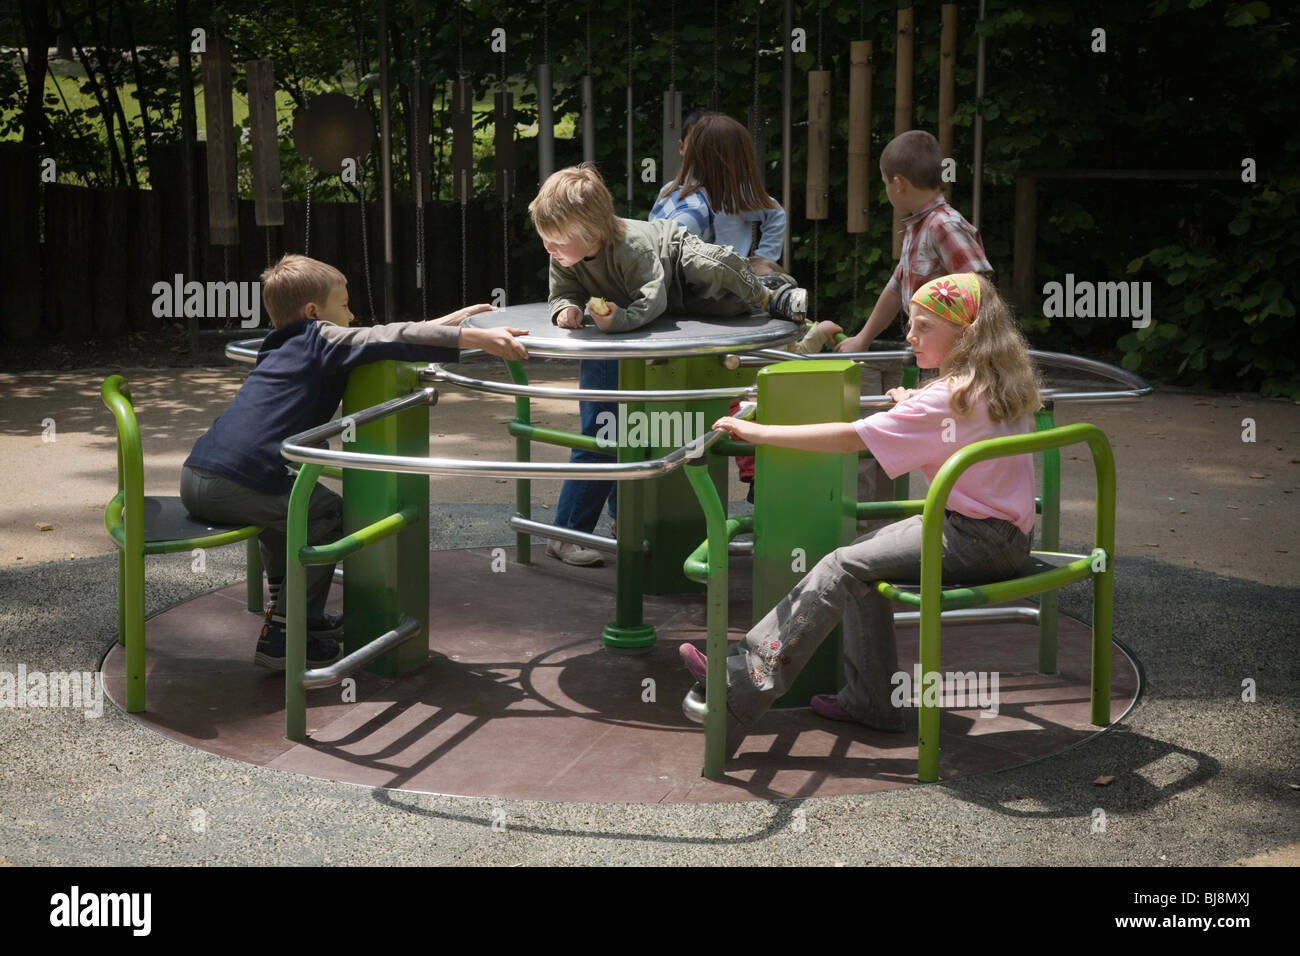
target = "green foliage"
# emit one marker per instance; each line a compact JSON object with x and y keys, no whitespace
{"x":1182,"y":84}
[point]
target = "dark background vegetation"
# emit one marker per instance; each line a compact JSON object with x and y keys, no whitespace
{"x":1183,"y":84}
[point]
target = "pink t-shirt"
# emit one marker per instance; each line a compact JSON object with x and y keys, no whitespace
{"x":912,"y":434}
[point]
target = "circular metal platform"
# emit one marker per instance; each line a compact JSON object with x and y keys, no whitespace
{"x":669,"y":336}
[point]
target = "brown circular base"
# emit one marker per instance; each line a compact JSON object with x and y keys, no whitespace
{"x":520,"y":700}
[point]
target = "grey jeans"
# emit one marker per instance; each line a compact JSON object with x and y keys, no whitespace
{"x":713,"y":280}
{"x":216,"y":498}
{"x":842,"y":585}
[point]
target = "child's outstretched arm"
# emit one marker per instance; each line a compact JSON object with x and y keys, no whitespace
{"x":834,"y":437}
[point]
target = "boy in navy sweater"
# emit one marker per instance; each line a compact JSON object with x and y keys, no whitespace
{"x":235,"y":474}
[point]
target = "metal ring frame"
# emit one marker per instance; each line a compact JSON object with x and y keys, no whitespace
{"x":296,"y":448}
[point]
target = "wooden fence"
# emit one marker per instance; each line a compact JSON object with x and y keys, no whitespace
{"x":90,"y":271}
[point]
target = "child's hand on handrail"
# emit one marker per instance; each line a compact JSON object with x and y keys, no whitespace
{"x":738,"y":428}
{"x":500,"y":341}
{"x":899,"y":394}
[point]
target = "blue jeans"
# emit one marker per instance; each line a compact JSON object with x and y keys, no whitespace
{"x":582,"y":501}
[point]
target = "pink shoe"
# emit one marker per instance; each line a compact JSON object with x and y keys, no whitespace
{"x":828,"y":706}
{"x":694,"y":661}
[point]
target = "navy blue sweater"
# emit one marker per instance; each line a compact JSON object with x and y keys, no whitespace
{"x":297,"y":383}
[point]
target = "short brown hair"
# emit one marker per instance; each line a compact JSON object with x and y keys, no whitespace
{"x":914,"y":155}
{"x":574,"y":203}
{"x":294,"y":281}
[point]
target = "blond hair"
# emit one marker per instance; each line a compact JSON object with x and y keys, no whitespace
{"x":719,"y":159}
{"x":915,"y":156}
{"x":293,"y":282}
{"x":575,"y":204}
{"x":990,"y":360}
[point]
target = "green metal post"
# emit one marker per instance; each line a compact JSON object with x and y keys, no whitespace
{"x":1103,"y":582}
{"x":523,"y":452}
{"x":804,"y":502}
{"x":715,"y":682}
{"x":391,"y":578}
{"x":629,"y":631}
{"x":673,"y":523}
{"x":1050,"y":534}
{"x":295,"y":604}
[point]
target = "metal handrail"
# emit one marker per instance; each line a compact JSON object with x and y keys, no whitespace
{"x":301,"y":448}
{"x":436,"y":373}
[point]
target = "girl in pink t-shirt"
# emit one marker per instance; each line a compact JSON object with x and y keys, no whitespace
{"x":987,"y":386}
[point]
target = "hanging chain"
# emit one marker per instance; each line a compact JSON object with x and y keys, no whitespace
{"x":306,"y":240}
{"x":365,"y":254}
{"x":857,"y":248}
{"x":672,"y":45}
{"x":716,"y":84}
{"x":588,"y":37}
{"x":817,"y":231}
{"x":419,"y":261}
{"x":756,"y":41}
{"x":505,"y":248}
{"x":546,"y":34}
{"x":464,"y":264}
{"x":819,"y":40}
{"x":266,"y":230}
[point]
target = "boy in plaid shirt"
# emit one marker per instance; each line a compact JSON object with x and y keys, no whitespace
{"x":937,"y":240}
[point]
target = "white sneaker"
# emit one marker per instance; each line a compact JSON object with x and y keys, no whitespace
{"x":574,"y":554}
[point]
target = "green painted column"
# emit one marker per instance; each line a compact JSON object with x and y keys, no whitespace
{"x":629,"y":631}
{"x":804,"y":502}
{"x":674,"y":526}
{"x":1050,"y":540}
{"x":389,"y":578}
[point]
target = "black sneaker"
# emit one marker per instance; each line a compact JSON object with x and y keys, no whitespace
{"x":271,"y":648}
{"x":329,"y":626}
{"x":777,"y":280}
{"x":789,"y":303}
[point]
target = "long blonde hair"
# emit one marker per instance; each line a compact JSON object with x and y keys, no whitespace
{"x":990,"y":360}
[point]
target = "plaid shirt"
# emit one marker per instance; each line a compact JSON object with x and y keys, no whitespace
{"x":937,"y":241}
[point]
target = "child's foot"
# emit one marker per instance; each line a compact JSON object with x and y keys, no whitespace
{"x":329,"y":626}
{"x":828,"y":706}
{"x":694,"y":661}
{"x":571,"y":553}
{"x":777,"y":280}
{"x":789,"y":303}
{"x":271,"y":648}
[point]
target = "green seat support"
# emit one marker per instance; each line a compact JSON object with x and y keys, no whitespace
{"x":141,"y":526}
{"x":1046,"y":572}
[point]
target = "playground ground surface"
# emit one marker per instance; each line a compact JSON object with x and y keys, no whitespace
{"x":1207,"y":591}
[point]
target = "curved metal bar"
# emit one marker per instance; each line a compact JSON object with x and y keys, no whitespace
{"x":295,"y":450}
{"x":436,"y":373}
{"x":303,"y":448}
{"x":244,"y":350}
{"x":767,"y":356}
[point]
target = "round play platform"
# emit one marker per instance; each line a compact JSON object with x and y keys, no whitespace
{"x":520,"y":699}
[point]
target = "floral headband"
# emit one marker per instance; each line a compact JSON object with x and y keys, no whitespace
{"x":955,"y":297}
